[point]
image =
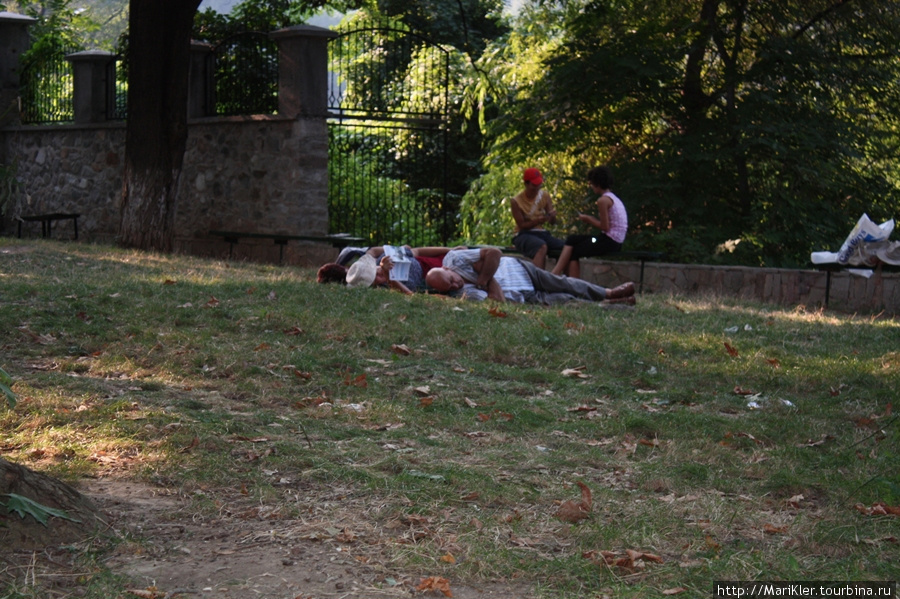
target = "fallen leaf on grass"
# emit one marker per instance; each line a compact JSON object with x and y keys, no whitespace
{"x":426,"y":401}
{"x":194,"y":443}
{"x":262,"y":346}
{"x":771,"y":529}
{"x":359,"y":381}
{"x":675,"y":591}
{"x":293,"y":331}
{"x":345,"y":536}
{"x":497,"y":312}
{"x":731,"y":350}
{"x":435,"y":583}
{"x":572,"y":511}
{"x":878,"y":509}
{"x":400,"y":350}
{"x":483,"y":417}
{"x":812,"y":443}
{"x":729,"y":435}
{"x":576,"y":372}
{"x":741,"y":391}
{"x":448,"y":558}
{"x":795,"y":500}
{"x":774,"y":363}
{"x":212,"y":303}
{"x":148,"y":593}
{"x":522,"y":541}
{"x":632,"y":561}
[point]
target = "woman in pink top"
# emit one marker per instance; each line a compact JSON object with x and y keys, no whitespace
{"x":611,"y":220}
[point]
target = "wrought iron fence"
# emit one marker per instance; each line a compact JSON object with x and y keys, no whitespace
{"x":47,"y":87}
{"x":388,"y":121}
{"x":117,"y":90}
{"x":245,"y":70}
{"x":244,"y":74}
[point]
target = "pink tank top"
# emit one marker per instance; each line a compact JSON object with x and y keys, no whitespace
{"x":618,"y":219}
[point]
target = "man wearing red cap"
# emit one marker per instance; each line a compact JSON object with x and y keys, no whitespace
{"x":531,"y":209}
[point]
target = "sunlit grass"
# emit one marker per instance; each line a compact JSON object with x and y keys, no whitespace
{"x":732,"y":439}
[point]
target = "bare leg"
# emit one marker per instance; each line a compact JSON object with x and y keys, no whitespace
{"x":564,"y":256}
{"x":574,"y":269}
{"x":540,"y":259}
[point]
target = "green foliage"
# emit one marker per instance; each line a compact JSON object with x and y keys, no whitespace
{"x":780,"y":116}
{"x":282,"y":379}
{"x":401,"y":67}
{"x":24,"y":506}
{"x":47,"y":80}
{"x":6,"y":384}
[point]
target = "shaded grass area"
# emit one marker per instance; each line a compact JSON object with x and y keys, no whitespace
{"x":735,"y":441}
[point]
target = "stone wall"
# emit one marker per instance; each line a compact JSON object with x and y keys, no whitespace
{"x":846,"y":292}
{"x":265,"y":174}
{"x":240,"y":173}
{"x":69,"y":169}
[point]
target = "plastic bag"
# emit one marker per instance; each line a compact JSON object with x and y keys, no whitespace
{"x":856,"y":249}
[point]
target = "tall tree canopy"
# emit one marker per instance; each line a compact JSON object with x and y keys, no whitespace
{"x":749,"y":131}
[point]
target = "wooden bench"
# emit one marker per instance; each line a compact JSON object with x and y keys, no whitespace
{"x":336,"y":240}
{"x":46,"y":221}
{"x":641,"y":256}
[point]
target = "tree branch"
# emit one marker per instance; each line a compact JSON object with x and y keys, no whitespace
{"x":819,"y":17}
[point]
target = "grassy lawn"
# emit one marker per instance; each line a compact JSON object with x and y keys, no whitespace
{"x":719,"y":439}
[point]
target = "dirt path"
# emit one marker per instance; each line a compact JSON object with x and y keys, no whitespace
{"x":242,"y":555}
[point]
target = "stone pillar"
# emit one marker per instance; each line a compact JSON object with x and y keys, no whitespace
{"x":303,"y":70}
{"x":13,"y":42}
{"x":90,"y":72}
{"x":202,"y":92}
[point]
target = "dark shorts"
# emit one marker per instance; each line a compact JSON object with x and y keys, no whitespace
{"x":596,"y":244}
{"x":529,"y":242}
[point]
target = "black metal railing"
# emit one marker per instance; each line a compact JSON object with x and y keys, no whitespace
{"x":245,"y":71}
{"x":117,"y":90}
{"x":388,"y":118}
{"x":47,"y":88}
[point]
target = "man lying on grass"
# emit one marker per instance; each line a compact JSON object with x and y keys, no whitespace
{"x":373,"y":269}
{"x":486,"y":274}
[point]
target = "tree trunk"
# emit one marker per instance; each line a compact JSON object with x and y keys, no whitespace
{"x":19,"y":534}
{"x":156,"y":135}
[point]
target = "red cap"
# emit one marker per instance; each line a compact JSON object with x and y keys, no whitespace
{"x":533,"y":176}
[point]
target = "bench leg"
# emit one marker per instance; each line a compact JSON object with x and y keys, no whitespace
{"x":281,"y":243}
{"x":641,"y":283}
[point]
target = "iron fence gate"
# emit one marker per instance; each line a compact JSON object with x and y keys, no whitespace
{"x":388,"y":117}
